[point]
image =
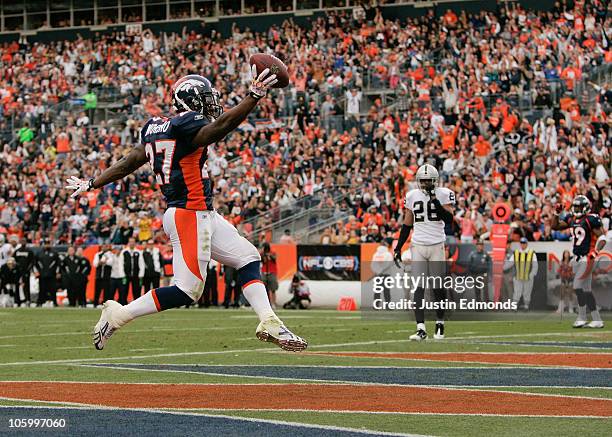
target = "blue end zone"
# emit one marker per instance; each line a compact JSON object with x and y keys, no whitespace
{"x":103,"y":422}
{"x":447,"y":376}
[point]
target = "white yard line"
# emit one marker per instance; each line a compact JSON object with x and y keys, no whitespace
{"x":72,"y":347}
{"x":232,"y":351}
{"x":34,"y":381}
{"x":191,"y":412}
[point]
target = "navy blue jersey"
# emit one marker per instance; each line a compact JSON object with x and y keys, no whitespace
{"x":582,"y":232}
{"x":178,"y":164}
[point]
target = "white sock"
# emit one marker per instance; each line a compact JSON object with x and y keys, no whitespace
{"x":256,"y":294}
{"x":595,"y":316}
{"x":142,"y":306}
{"x":421,"y":326}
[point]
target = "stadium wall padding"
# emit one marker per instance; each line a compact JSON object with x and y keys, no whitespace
{"x":327,"y":292}
{"x":262,"y":22}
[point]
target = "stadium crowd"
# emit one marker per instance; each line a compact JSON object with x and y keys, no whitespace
{"x":460,"y":85}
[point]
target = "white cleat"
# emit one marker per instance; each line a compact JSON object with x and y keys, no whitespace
{"x":274,"y":331}
{"x":420,"y":335}
{"x":113,"y":317}
{"x":595,"y":324}
{"x":439,"y":332}
{"x":579,"y":323}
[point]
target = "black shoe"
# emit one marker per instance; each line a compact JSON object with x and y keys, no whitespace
{"x":439,"y":333}
{"x":420,"y":335}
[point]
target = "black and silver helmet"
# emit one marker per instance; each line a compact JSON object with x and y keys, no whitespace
{"x":195,"y":93}
{"x":427,"y":178}
{"x":581,"y":206}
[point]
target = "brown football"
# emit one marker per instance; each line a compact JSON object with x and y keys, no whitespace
{"x":276,"y":66}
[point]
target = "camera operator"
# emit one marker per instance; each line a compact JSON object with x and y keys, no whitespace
{"x":301,"y":295}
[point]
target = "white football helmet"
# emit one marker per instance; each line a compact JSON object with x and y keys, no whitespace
{"x":427,"y":178}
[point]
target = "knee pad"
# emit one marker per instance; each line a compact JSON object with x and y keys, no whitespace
{"x":171,"y":297}
{"x":249,"y":273}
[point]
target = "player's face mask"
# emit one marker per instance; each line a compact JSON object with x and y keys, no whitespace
{"x":427,"y":185}
{"x":195,"y":93}
{"x":211,"y":105}
{"x":581,"y":206}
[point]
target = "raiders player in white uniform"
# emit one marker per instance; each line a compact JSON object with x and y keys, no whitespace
{"x":428,"y":209}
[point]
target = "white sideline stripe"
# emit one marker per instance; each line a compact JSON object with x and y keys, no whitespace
{"x":268,"y":349}
{"x":190,"y":412}
{"x":152,"y":328}
{"x":413,"y":413}
{"x":148,"y":349}
{"x":73,"y":347}
{"x":303,"y":384}
{"x":221,"y":416}
{"x":403,"y":413}
{"x":331,"y":366}
{"x":343,"y":382}
{"x":467,"y":352}
{"x":557,"y":345}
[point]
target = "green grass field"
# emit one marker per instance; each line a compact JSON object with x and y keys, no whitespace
{"x":219,"y":347}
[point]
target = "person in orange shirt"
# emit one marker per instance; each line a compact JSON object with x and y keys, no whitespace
{"x":510,"y":122}
{"x":449,"y":138}
{"x":571,"y":74}
{"x":450,"y":18}
{"x":482,"y":149}
{"x":62,"y":143}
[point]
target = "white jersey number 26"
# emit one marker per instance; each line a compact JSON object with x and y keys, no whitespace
{"x":422,"y":209}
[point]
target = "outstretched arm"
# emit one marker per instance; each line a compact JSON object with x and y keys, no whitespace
{"x":227,"y":122}
{"x":230,"y":120}
{"x":125,"y":166}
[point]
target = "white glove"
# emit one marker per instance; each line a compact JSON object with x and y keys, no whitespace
{"x":260,"y":84}
{"x":78,"y":185}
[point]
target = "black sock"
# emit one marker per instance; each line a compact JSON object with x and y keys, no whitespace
{"x":439,"y":296}
{"x":590,"y":300}
{"x":580,"y":297}
{"x":419,"y":311}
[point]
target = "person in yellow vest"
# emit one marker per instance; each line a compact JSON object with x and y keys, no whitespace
{"x":525,"y":265}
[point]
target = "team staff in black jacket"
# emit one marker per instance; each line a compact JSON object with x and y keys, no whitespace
{"x":103,"y":263}
{"x":84,"y":268}
{"x":153,"y":266}
{"x":134,"y":268}
{"x":47,"y":267}
{"x":9,"y":279}
{"x":70,"y":275}
{"x":25,"y":264}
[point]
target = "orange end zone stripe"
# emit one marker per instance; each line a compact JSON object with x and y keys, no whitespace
{"x":154,"y":294}
{"x":254,"y":281}
{"x":289,"y":397}
{"x":187,"y":229}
